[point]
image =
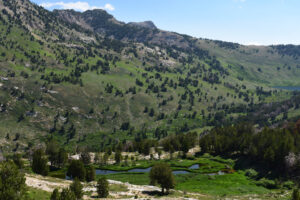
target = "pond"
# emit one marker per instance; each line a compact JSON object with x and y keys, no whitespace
{"x":220,"y":173}
{"x":106,"y":172}
{"x":196,"y":166}
{"x":141,"y":170}
{"x":147,"y":170}
{"x":291,"y":88}
{"x":136,"y":170}
{"x":180,"y":172}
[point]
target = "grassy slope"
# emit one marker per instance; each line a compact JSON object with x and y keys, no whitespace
{"x":254,"y":57}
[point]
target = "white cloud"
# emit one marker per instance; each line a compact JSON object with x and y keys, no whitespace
{"x":109,"y":7}
{"x":79,"y":5}
{"x":253,"y":43}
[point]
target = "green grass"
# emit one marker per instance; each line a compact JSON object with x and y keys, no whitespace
{"x":61,"y":173}
{"x":229,"y":184}
{"x":118,"y":188}
{"x":36,"y":194}
{"x":133,"y":178}
{"x":236,"y":183}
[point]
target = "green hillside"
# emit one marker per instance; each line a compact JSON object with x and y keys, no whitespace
{"x":63,"y":79}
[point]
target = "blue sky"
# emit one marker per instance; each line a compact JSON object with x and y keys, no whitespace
{"x":262,"y":22}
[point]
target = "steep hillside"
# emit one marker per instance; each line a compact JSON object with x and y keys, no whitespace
{"x":274,"y":65}
{"x":87,"y":78}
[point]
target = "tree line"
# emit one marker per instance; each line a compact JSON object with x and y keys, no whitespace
{"x":272,"y":146}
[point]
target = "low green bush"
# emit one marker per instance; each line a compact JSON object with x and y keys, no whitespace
{"x":270,"y":184}
{"x":251,"y":173}
{"x":288,"y":185}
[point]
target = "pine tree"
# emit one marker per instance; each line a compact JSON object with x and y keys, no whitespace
{"x":76,"y":170}
{"x":67,"y":194}
{"x":55,"y":195}
{"x":39,"y":163}
{"x":90,"y":173}
{"x":118,"y":157}
{"x":102,"y":187}
{"x":162,"y":174}
{"x":12,"y":182}
{"x":77,"y":187}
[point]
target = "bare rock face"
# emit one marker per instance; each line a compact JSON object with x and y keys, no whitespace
{"x":146,"y":24}
{"x":101,"y":22}
{"x":72,"y":17}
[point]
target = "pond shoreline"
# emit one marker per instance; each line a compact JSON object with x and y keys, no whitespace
{"x":289,"y":88}
{"x":191,"y":169}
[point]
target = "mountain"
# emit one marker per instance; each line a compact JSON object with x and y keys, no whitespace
{"x":88,"y":79}
{"x":99,"y":21}
{"x":273,"y":59}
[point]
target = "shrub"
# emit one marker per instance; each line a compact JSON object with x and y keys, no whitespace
{"x":288,"y":184}
{"x":270,"y":184}
{"x":252,"y":173}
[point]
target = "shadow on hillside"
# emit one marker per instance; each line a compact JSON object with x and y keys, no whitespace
{"x":154,"y":193}
{"x":244,"y":162}
{"x":264,"y":169}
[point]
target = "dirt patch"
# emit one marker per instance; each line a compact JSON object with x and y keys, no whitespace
{"x":46,"y":183}
{"x":134,"y":191}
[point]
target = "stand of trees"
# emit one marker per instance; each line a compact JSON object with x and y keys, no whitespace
{"x":181,"y":142}
{"x":270,"y":146}
{"x":58,"y":156}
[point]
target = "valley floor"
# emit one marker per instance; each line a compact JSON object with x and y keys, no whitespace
{"x":120,"y":190}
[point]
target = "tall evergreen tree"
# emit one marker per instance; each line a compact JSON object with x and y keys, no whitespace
{"x":76,"y":169}
{"x":40,"y":163}
{"x":77,"y":187}
{"x":102,"y":187}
